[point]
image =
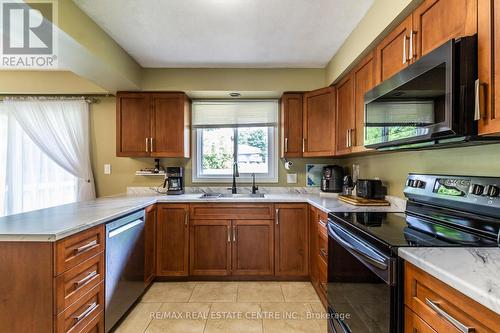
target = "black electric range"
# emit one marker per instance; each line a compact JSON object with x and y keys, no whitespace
{"x":365,"y":274}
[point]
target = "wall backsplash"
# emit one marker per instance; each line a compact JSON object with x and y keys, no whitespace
{"x":392,"y":168}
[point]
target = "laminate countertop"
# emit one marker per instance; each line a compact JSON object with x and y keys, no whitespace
{"x":52,"y":224}
{"x":475,"y":272}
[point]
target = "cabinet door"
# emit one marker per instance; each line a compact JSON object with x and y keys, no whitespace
{"x":489,"y":66}
{"x":437,"y":21}
{"x":313,"y":246}
{"x":291,"y":125}
{"x":172,"y":241}
{"x":170,"y":125}
{"x":392,"y":54}
{"x":150,"y":241}
{"x":345,"y":115}
{"x":210,"y":247}
{"x":291,"y":240}
{"x":363,"y":81}
{"x":319,"y":123}
{"x":253,"y":247}
{"x":133,"y":124}
{"x":415,"y":324}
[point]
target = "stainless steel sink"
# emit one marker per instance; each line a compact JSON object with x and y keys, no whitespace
{"x":230,"y":195}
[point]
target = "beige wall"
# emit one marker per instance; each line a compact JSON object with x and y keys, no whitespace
{"x":393,"y":168}
{"x":103,"y":131}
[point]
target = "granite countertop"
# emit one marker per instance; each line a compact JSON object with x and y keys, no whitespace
{"x":58,"y":222}
{"x":475,"y":272}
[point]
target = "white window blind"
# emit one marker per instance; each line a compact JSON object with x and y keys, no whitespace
{"x":240,"y":113}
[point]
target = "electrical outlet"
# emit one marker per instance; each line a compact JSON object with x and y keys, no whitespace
{"x":107,"y":169}
{"x":291,"y":178}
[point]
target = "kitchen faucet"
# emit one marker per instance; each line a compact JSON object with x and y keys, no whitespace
{"x":254,"y":188}
{"x":235,"y":174}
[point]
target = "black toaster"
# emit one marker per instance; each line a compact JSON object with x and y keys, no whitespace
{"x":370,"y":189}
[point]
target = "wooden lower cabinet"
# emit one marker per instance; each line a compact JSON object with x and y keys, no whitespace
{"x":172,"y":240}
{"x":431,"y":300}
{"x":252,"y":247}
{"x":313,"y":246}
{"x":291,"y":243}
{"x":150,"y":244}
{"x":210,"y":248}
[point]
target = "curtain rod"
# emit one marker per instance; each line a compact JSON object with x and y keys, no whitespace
{"x":88,"y":99}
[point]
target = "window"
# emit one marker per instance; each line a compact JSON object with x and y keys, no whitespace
{"x":241,"y":131}
{"x":29,"y":180}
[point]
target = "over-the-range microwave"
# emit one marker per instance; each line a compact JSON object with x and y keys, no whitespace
{"x":431,"y":102}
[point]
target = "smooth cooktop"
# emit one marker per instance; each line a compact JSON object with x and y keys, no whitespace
{"x":404,"y":229}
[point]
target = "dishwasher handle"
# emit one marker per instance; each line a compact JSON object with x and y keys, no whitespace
{"x":123,"y":228}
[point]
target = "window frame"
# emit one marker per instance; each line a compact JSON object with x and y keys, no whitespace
{"x":270,"y":177}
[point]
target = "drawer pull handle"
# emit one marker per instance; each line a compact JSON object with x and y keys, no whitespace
{"x":323,"y":253}
{"x":322,"y":223}
{"x":86,"y":278}
{"x":461,"y":327}
{"x":86,"y":247}
{"x":85,"y":313}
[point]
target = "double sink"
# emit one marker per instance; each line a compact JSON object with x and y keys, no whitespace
{"x":231,"y":195}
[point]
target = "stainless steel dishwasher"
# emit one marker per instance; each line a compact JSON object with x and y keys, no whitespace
{"x":124,"y":265}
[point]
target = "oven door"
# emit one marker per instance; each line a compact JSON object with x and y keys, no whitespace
{"x":362,"y":291}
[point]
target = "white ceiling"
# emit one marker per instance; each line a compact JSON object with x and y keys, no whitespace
{"x":228,"y":33}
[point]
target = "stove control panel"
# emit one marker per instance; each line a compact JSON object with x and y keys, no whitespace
{"x":481,"y":194}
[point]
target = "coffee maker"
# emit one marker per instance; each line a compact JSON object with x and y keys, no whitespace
{"x":332,"y":179}
{"x":174,"y":180}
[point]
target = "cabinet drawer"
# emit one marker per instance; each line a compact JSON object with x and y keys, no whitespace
{"x":415,"y":324}
{"x":80,"y":314}
{"x":322,"y":222}
{"x":323,"y":247}
{"x":232,"y":212}
{"x":96,"y":325}
{"x":323,"y":284}
{"x":77,"y":248}
{"x":77,"y":281}
{"x":433,"y":300}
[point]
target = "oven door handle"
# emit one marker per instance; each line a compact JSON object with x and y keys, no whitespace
{"x":355,"y":245}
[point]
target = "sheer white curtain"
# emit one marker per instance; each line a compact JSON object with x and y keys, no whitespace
{"x":58,"y":132}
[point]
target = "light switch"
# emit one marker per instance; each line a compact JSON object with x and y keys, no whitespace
{"x":291,"y":178}
{"x":107,"y":169}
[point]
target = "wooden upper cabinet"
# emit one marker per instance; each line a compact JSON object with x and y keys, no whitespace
{"x":437,"y":21}
{"x":150,"y":245}
{"x":172,"y":240}
{"x":363,"y":81}
{"x":489,"y":66}
{"x":170,"y":125}
{"x":291,"y":125}
{"x":291,"y":240}
{"x":392,"y":54}
{"x":345,"y":115}
{"x":210,"y":248}
{"x":152,"y":124}
{"x":253,"y":247}
{"x":319,"y":123}
{"x":133,"y":124}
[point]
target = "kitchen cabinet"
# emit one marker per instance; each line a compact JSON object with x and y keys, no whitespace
{"x":232,"y":239}
{"x":429,"y":302}
{"x":152,"y":124}
{"x":172,"y":240}
{"x":150,"y":245}
{"x":437,"y":21}
{"x":291,"y":240}
{"x":313,"y":246}
{"x":318,"y":252}
{"x":319,"y":123}
{"x":363,"y":81}
{"x":489,"y":66}
{"x":252,"y":247}
{"x":392,"y":54}
{"x":345,"y":115}
{"x":291,"y":125}
{"x":210,"y":248}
